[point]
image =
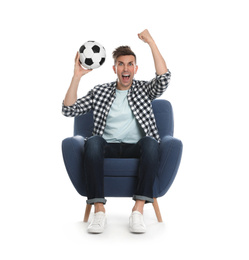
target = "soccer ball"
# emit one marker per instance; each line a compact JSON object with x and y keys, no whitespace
{"x":92,"y":55}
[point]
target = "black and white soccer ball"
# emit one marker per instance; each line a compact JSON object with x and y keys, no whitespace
{"x":92,"y":55}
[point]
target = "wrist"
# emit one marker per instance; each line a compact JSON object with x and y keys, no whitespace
{"x":76,"y":78}
{"x":151,"y":43}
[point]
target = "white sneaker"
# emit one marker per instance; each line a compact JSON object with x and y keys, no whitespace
{"x":98,"y":223}
{"x":137,"y":222}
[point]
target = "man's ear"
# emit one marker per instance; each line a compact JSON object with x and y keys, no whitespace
{"x":114,"y":69}
{"x":136,"y":68}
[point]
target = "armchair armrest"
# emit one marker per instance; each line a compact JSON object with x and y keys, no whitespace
{"x":170,"y":156}
{"x":73,"y":151}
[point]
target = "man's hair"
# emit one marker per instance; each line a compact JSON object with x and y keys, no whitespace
{"x":122,"y":51}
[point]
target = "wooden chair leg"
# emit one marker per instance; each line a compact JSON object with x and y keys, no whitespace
{"x":157,"y":210}
{"x":87,"y":212}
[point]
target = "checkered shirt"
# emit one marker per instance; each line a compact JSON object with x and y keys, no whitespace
{"x":140,"y":95}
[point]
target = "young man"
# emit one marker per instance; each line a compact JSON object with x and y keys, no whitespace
{"x":124,"y":127}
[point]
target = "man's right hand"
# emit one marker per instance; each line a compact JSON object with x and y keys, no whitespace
{"x":79,"y":71}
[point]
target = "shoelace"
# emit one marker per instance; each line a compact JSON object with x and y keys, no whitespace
{"x":97,"y":220}
{"x":137,"y":219}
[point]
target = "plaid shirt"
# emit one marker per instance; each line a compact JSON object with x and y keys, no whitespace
{"x":140,"y":95}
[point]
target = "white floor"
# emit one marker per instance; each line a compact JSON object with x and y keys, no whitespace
{"x":52,"y":229}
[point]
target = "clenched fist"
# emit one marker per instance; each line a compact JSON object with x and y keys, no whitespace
{"x":145,"y":36}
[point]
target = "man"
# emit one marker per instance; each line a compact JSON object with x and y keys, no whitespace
{"x":124,"y":127}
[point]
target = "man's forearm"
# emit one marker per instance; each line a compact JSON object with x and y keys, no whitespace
{"x":79,"y":71}
{"x":160,"y":64}
{"x":71,"y":95}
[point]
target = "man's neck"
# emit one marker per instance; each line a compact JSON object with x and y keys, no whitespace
{"x":121,"y":87}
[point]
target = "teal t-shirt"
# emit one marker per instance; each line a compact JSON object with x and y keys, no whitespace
{"x":121,"y":124}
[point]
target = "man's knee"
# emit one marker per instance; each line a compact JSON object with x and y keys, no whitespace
{"x":94,"y":144}
{"x":149,"y":142}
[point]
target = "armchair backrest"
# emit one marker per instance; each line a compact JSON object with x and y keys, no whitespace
{"x":83,"y":124}
{"x":164,"y":117}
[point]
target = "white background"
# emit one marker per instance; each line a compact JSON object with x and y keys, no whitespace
{"x":205,"y":45}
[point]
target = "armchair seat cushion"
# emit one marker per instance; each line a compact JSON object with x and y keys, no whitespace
{"x":125,"y":167}
{"x":120,"y":177}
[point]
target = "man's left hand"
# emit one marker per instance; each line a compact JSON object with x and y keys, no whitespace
{"x":145,"y":36}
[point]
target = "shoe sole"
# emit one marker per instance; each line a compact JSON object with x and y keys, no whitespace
{"x":95,"y":231}
{"x":137,"y":231}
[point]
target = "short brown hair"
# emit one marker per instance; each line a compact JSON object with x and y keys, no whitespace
{"x":122,"y":51}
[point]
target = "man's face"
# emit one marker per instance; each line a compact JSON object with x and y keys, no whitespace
{"x":125,"y":68}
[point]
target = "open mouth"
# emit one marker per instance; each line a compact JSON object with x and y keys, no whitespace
{"x":126,"y":77}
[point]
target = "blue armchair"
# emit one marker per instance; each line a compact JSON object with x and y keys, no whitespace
{"x":120,"y":174}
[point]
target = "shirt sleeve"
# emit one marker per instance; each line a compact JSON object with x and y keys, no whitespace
{"x":81,"y":106}
{"x":158,"y":85}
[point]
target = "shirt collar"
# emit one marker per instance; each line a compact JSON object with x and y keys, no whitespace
{"x":114,"y":86}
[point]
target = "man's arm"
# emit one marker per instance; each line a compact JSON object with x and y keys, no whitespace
{"x":160,"y":64}
{"x":71,"y":95}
